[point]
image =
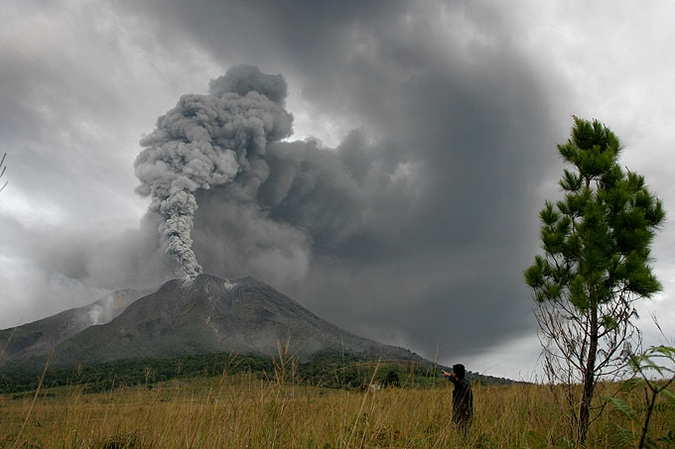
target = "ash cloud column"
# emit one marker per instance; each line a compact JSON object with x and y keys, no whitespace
{"x":206,"y":141}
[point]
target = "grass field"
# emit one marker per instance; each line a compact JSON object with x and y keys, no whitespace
{"x":247,"y":411}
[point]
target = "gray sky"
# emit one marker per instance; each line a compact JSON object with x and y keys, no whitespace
{"x":404,"y":205}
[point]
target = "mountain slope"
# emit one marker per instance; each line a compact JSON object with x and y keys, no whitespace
{"x":211,"y":314}
{"x":39,"y":337}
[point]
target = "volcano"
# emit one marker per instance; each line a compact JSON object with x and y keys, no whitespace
{"x":211,"y":315}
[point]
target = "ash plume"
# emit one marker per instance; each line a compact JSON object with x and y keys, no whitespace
{"x":383,"y":219}
{"x":207,"y":141}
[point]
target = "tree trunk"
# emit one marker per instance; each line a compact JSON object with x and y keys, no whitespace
{"x":589,"y":379}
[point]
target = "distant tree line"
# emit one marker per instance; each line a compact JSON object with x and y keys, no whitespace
{"x":24,"y":376}
{"x":329,"y":369}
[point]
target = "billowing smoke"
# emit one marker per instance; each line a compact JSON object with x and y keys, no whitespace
{"x":208,"y":141}
{"x":111,"y":306}
{"x":395,"y":217}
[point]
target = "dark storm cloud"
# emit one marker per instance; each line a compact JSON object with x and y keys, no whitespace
{"x":415,"y":228}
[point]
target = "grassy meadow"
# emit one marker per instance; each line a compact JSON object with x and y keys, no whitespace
{"x":249,"y":411}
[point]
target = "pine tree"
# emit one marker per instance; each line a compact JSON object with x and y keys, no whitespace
{"x":594,"y":267}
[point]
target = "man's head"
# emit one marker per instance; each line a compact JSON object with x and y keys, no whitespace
{"x":459,"y":371}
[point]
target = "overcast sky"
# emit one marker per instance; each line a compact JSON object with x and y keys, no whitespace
{"x":403,"y":203}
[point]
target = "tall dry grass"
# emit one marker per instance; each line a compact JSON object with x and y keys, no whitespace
{"x":245,"y":411}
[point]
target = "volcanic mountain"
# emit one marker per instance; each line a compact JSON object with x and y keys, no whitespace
{"x":214,"y":315}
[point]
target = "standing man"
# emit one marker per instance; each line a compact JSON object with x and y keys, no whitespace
{"x":462,"y":398}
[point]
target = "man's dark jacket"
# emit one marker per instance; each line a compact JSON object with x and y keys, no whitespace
{"x":462,"y":400}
